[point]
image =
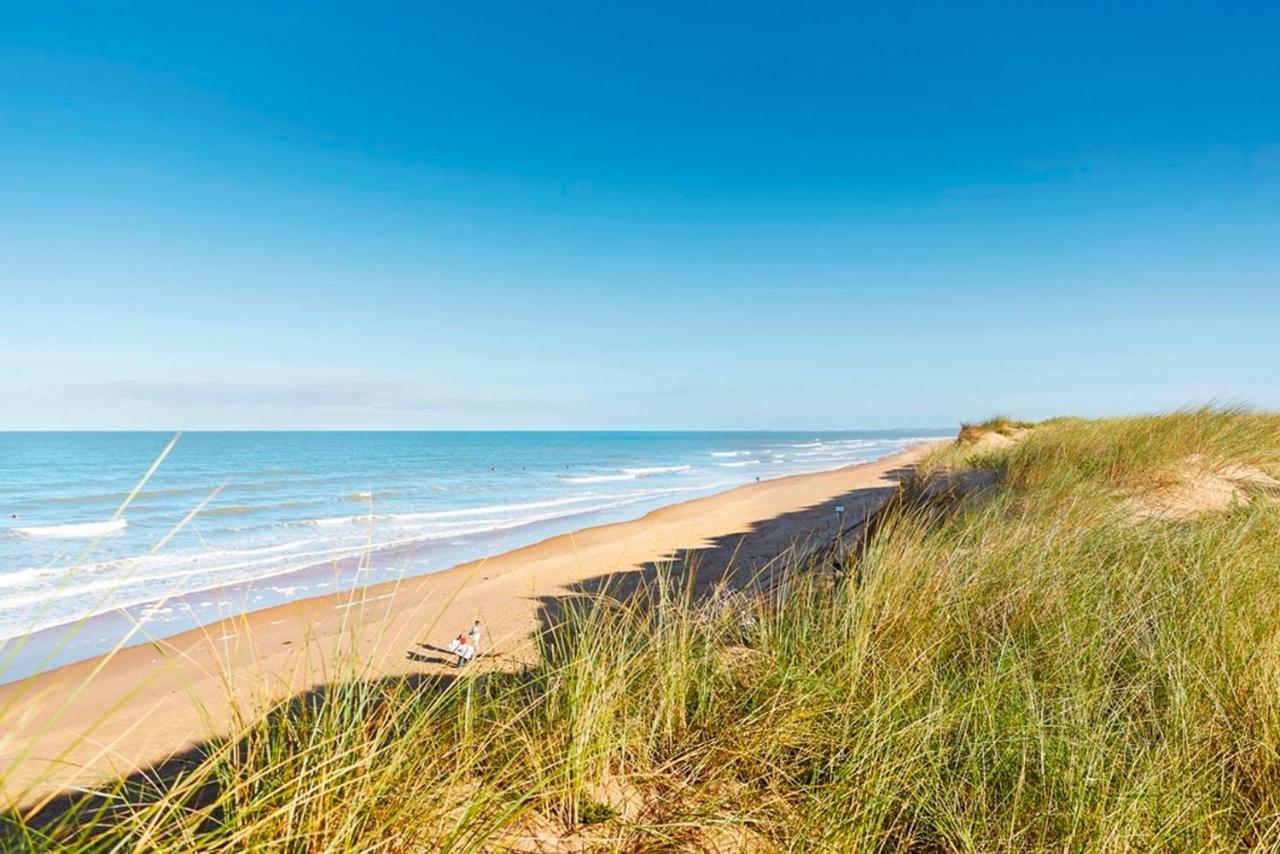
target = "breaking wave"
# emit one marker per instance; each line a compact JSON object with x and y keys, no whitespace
{"x":82,"y":530}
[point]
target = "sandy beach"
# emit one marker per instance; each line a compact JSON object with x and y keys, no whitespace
{"x":120,"y":713}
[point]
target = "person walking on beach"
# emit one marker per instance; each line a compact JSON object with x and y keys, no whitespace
{"x":465,"y":652}
{"x":474,"y":635}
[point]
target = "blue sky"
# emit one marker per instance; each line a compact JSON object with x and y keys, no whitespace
{"x":720,"y":215}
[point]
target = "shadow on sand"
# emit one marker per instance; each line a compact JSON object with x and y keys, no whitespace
{"x":444,"y":657}
{"x":814,"y":535}
{"x":85,"y":811}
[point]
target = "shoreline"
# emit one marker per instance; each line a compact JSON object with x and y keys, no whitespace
{"x":115,"y":714}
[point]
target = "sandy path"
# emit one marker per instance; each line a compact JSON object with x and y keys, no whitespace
{"x":116,"y":714}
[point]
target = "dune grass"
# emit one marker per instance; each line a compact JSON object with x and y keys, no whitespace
{"x":1032,"y":671}
{"x":1000,"y":424}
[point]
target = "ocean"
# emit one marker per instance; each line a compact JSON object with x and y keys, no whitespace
{"x":238,"y":521}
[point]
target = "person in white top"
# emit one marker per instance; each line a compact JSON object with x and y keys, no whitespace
{"x":474,"y":635}
{"x":465,"y":653}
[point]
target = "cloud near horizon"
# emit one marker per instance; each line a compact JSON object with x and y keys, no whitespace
{"x":354,"y":395}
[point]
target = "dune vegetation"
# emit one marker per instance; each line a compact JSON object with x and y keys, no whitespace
{"x":1048,"y":662}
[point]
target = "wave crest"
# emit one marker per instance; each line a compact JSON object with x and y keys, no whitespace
{"x":81,"y":530}
{"x":598,"y":478}
{"x":641,"y":472}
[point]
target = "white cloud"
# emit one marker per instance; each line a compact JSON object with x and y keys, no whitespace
{"x":349,"y":395}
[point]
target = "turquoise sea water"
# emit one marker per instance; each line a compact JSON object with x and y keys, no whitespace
{"x":290,"y":506}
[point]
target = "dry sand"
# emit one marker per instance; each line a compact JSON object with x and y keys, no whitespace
{"x":120,"y":713}
{"x":1197,"y":486}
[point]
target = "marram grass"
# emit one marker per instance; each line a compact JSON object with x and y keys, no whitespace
{"x":1032,"y":671}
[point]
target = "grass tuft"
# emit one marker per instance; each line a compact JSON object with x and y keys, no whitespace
{"x":1001,"y":425}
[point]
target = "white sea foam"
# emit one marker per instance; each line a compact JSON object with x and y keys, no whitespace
{"x":656,"y":470}
{"x":134,"y":589}
{"x":461,"y":512}
{"x":82,"y":530}
{"x":598,"y":478}
{"x":729,"y":453}
{"x":26,"y":576}
{"x":739,"y":464}
{"x":218,"y":568}
{"x":495,"y":508}
{"x":338,"y":521}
